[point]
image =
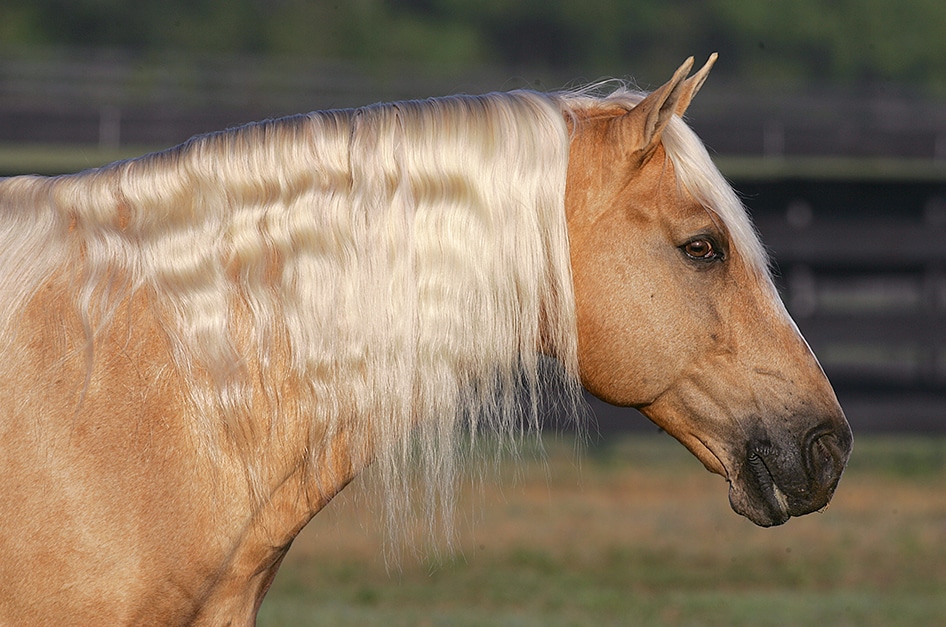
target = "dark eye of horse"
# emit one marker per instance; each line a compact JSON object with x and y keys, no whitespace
{"x":701,"y":250}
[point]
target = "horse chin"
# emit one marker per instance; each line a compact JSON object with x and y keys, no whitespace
{"x":764,"y":503}
{"x":753,"y":494}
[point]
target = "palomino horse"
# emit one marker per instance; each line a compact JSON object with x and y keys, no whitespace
{"x":201,"y":347}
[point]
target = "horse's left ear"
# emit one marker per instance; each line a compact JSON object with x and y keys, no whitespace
{"x":693,"y":84}
{"x":640,"y":128}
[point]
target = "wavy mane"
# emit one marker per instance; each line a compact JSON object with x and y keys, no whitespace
{"x":398,"y":262}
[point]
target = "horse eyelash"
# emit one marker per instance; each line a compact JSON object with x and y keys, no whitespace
{"x":720,"y":251}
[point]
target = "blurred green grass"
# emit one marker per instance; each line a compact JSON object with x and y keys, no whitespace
{"x":635,"y":532}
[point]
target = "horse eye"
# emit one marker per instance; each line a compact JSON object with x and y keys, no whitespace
{"x":701,"y":249}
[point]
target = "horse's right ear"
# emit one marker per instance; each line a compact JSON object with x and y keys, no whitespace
{"x":639,"y":130}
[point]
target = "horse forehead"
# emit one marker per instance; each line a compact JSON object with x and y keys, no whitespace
{"x":653,"y":191}
{"x":648,"y":189}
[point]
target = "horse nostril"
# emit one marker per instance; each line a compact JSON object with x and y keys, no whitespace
{"x":826,"y":458}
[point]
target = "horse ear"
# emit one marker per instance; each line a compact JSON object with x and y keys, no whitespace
{"x":640,"y":128}
{"x":693,"y":84}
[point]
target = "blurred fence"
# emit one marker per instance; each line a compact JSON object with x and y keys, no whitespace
{"x":848,"y":190}
{"x":862,"y":267}
{"x":114,"y":99}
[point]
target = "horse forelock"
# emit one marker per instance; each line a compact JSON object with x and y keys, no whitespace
{"x":703,"y":180}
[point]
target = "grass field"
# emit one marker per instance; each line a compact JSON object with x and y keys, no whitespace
{"x":637,"y":533}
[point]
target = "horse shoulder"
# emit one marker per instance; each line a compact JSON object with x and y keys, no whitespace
{"x":97,"y":473}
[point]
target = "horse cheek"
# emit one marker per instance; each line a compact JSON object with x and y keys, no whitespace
{"x":621,"y":317}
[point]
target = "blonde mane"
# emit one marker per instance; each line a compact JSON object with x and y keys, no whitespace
{"x":404,"y":264}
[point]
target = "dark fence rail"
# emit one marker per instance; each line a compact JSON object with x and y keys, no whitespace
{"x":862,"y":268}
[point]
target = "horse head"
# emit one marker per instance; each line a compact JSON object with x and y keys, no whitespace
{"x":677,"y":313}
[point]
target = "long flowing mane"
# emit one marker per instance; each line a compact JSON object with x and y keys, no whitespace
{"x":395,"y":262}
{"x":385,"y":277}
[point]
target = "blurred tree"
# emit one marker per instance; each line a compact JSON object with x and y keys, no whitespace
{"x":800,"y":40}
{"x":847,"y":40}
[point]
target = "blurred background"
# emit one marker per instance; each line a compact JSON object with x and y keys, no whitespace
{"x":829,"y":117}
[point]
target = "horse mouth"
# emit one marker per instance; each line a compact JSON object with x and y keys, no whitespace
{"x":771,"y":498}
{"x":775,"y":483}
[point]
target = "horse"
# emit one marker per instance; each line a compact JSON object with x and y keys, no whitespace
{"x":202,"y":346}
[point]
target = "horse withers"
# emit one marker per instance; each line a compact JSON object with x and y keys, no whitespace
{"x":201,"y":347}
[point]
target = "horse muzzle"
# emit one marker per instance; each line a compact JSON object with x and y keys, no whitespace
{"x":776,"y":480}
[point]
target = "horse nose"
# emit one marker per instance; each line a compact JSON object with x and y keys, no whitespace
{"x":791,"y":476}
{"x":826,"y":456}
